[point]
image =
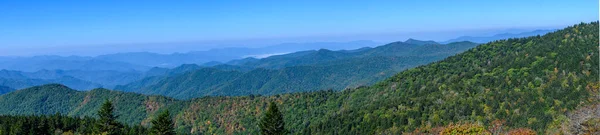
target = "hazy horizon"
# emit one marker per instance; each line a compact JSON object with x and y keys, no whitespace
{"x":94,"y":28}
{"x":191,"y":46}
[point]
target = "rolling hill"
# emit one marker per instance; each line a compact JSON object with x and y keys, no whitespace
{"x":85,"y":79}
{"x":27,"y":82}
{"x":525,"y":83}
{"x":77,"y":79}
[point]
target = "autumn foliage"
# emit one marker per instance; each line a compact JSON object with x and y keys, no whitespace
{"x":464,"y":129}
{"x":521,"y":131}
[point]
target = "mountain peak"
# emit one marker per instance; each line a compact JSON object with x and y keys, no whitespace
{"x":324,"y":50}
{"x":420,"y":42}
{"x":50,"y":86}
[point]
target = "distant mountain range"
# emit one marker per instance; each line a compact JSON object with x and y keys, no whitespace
{"x":299,"y":72}
{"x":32,"y":64}
{"x":85,"y":73}
{"x":485,"y":39}
{"x":82,"y":79}
{"x":129,"y":70}
{"x":77,"y":79}
{"x":142,"y":61}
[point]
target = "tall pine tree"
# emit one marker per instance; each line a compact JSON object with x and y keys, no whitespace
{"x":272,"y":122}
{"x":107,"y":124}
{"x":163,"y":125}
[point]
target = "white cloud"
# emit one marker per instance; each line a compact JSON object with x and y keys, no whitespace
{"x":260,"y":56}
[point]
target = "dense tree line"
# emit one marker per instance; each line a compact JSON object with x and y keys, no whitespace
{"x":60,"y":124}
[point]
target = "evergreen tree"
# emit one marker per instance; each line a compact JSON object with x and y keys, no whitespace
{"x":107,"y":124}
{"x":272,"y":123}
{"x":163,"y":125}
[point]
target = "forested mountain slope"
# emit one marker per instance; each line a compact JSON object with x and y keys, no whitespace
{"x":528,"y":82}
{"x":56,"y":98}
{"x":531,"y":82}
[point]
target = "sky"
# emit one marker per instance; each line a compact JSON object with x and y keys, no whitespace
{"x":32,"y":27}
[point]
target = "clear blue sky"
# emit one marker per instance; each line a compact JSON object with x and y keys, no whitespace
{"x":49,"y":23}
